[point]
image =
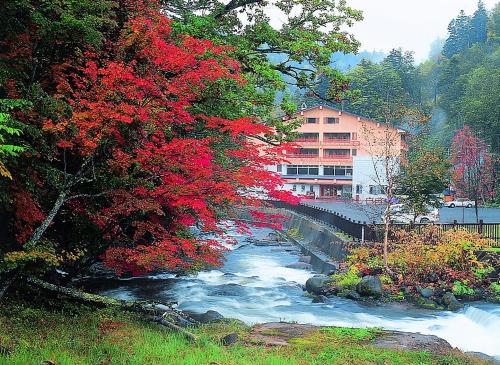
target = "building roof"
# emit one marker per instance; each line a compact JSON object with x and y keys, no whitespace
{"x":346,"y":112}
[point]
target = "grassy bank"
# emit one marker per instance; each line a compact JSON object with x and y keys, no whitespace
{"x":78,"y":335}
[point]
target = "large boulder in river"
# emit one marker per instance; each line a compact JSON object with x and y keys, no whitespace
{"x":370,"y":286}
{"x":318,"y":283}
{"x":451,"y":302}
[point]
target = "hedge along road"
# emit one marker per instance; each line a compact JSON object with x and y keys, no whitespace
{"x":372,"y":212}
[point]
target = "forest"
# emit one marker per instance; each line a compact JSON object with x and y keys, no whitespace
{"x":458,"y":85}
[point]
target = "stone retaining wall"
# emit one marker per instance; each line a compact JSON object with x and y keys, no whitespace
{"x":314,"y":238}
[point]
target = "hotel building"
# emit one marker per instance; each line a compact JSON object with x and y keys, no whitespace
{"x":340,"y":155}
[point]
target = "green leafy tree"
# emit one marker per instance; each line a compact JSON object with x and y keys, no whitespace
{"x":479,"y":24}
{"x":424,"y":175}
{"x":275,"y":58}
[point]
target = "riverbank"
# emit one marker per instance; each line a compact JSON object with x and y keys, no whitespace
{"x":69,"y":334}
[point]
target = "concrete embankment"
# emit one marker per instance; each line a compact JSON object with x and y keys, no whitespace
{"x":315,"y":239}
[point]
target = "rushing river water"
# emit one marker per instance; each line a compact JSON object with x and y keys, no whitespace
{"x":255,"y":285}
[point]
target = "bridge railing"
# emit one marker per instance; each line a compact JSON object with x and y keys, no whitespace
{"x":375,"y":231}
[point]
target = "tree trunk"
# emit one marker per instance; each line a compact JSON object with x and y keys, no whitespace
{"x":103,"y":301}
{"x":50,"y":217}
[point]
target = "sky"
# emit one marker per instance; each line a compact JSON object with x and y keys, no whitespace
{"x":412,"y":25}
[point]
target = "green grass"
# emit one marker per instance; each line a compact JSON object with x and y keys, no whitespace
{"x":77,"y":335}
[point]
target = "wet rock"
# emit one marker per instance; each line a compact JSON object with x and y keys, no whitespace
{"x":370,"y":286}
{"x":279,"y":333}
{"x":451,"y":302}
{"x":320,"y":299}
{"x":228,"y":290}
{"x":317,"y":284}
{"x":412,"y":342}
{"x":99,"y":270}
{"x":300,"y":265}
{"x":426,"y":292}
{"x":207,"y":317}
{"x":331,"y":290}
{"x":352,"y":294}
{"x":306,"y":259}
{"x":230,"y":339}
{"x":427,"y":303}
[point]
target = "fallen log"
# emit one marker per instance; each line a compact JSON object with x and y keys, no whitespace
{"x":102,"y":301}
{"x":163,"y":321}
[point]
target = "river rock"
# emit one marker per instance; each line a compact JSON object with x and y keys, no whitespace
{"x":370,"y":286}
{"x":426,"y":292}
{"x":300,"y":265}
{"x":306,"y":259}
{"x":320,"y":299}
{"x":207,"y":317}
{"x":451,"y":302}
{"x":316,"y":284}
{"x":352,"y":294}
{"x":230,"y":339}
{"x":412,"y":342}
{"x":427,"y":303}
{"x":228,"y":290}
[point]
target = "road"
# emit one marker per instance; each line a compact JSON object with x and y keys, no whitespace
{"x":370,"y":213}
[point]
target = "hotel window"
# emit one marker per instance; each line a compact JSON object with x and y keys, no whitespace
{"x":330,"y":120}
{"x":302,"y":170}
{"x":309,"y":151}
{"x":312,"y":120}
{"x":354,"y":152}
{"x":377,"y":189}
{"x":294,"y":187}
{"x":340,"y":170}
{"x":303,"y":188}
{"x":336,"y":152}
{"x":308,"y":137}
{"x":337,"y":136}
{"x":279,"y":168}
{"x":359,"y":189}
{"x":337,"y":170}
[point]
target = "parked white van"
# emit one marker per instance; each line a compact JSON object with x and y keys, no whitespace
{"x":401,"y":213}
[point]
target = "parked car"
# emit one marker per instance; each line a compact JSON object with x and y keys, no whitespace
{"x":401,"y":213}
{"x":460,"y":202}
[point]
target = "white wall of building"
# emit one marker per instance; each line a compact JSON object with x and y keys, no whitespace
{"x":369,"y":172}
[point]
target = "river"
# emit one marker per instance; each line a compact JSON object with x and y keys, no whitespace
{"x":254,"y":285}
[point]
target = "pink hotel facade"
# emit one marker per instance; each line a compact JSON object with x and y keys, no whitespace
{"x":337,"y":155}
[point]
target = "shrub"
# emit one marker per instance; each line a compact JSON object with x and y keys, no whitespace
{"x":348,"y":279}
{"x":418,"y":259}
{"x":461,"y":289}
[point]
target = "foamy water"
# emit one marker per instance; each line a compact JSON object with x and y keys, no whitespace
{"x":255,"y":286}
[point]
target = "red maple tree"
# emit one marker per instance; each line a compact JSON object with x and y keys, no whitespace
{"x":143,"y":157}
{"x":473,"y":174}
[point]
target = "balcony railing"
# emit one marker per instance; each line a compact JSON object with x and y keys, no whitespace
{"x":307,"y":140}
{"x":341,"y":141}
{"x":336,"y":157}
{"x":301,"y":155}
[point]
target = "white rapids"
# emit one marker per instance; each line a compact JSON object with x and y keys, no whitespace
{"x":254,"y":285}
